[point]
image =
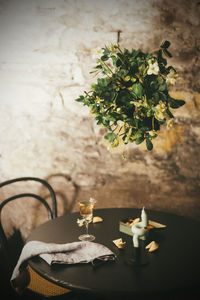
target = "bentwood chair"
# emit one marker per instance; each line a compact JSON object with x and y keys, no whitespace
{"x":11,"y":247}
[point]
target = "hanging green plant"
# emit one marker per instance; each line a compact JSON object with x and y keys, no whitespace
{"x":131,"y":96}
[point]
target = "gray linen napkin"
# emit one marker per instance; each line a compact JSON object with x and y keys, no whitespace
{"x":84,"y":252}
{"x":69,"y":253}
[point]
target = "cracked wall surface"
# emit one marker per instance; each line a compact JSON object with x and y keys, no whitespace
{"x":45,"y":60}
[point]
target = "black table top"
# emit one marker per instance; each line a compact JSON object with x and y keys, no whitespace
{"x":175,"y":266}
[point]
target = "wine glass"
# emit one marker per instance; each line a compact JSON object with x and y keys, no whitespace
{"x":86,"y":212}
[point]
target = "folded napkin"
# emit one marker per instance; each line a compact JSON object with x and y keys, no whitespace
{"x":69,"y":253}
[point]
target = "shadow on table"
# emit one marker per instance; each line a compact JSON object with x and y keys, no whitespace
{"x":187,"y":295}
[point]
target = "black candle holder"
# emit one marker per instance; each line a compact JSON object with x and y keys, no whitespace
{"x":139,"y":257}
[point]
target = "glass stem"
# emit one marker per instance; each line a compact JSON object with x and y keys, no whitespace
{"x":86,"y":226}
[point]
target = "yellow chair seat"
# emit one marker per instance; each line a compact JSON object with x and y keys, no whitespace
{"x":43,"y":286}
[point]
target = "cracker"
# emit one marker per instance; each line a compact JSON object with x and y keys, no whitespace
{"x":119,"y":243}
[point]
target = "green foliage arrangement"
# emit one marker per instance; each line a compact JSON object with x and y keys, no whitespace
{"x":131,"y":96}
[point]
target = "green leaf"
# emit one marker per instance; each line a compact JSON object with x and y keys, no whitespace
{"x":106,"y":51}
{"x":98,"y":67}
{"x":162,"y":61}
{"x":149,"y":144}
{"x":99,"y":119}
{"x":133,"y":68}
{"x":139,"y":140}
{"x":156,"y":97}
{"x":153,"y":136}
{"x":104,"y":57}
{"x":176,"y":103}
{"x":111,"y":136}
{"x":167,"y":53}
{"x":103,"y":82}
{"x":118,"y":62}
{"x":84,"y":100}
{"x":154,"y":85}
{"x":110,"y":118}
{"x":114,"y":59}
{"x":162,"y":87}
{"x":165,"y":45}
{"x":80,"y":99}
{"x":162,"y":96}
{"x":169,"y":113}
{"x":115,"y":143}
{"x":137,"y":89}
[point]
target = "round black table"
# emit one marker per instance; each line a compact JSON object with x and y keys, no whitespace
{"x":173,"y":268}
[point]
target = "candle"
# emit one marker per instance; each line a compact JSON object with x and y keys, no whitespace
{"x":144,"y":218}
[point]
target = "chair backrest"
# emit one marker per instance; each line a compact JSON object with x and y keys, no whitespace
{"x":52,"y":213}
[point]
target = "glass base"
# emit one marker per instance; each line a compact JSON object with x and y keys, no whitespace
{"x":87,"y":237}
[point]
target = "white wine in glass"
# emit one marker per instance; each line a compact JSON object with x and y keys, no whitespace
{"x":86,"y":212}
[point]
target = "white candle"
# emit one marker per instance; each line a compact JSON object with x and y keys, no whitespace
{"x":144,"y":218}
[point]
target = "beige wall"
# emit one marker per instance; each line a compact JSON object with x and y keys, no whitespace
{"x":45,"y":61}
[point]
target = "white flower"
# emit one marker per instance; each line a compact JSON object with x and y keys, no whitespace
{"x":152,"y":132}
{"x":153,"y":68}
{"x":97,"y":53}
{"x":160,"y":111}
{"x":171,"y":77}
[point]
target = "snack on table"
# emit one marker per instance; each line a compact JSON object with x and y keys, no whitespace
{"x":97,"y":219}
{"x":119,"y":243}
{"x":156,"y":224}
{"x":153,"y":246}
{"x":134,"y":221}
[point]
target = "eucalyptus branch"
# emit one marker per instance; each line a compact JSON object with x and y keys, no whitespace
{"x":103,"y":63}
{"x":117,"y":46}
{"x":107,"y":110}
{"x":121,"y":134}
{"x":120,"y":129}
{"x":155,"y":50}
{"x":153,"y":119}
{"x":115,"y":128}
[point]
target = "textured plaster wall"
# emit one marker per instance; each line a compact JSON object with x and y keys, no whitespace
{"x":45,"y":61}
